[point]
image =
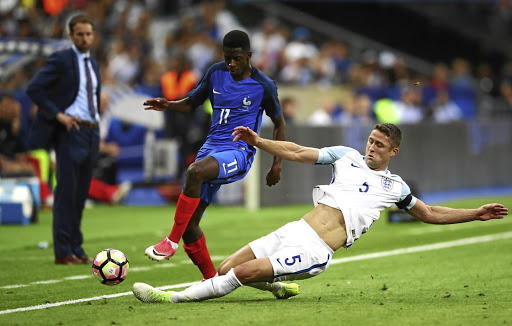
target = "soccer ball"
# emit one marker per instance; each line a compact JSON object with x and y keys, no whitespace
{"x":110,"y":266}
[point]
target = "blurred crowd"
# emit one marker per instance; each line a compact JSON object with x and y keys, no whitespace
{"x":150,"y":45}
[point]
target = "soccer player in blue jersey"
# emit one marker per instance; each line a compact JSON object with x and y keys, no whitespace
{"x":361,"y":187}
{"x":239,"y":94}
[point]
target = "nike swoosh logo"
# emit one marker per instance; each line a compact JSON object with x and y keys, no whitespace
{"x":215,"y":92}
{"x":157,"y":254}
{"x":352,"y":164}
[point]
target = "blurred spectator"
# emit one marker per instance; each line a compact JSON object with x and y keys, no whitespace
{"x":124,"y":64}
{"x":299,"y":55}
{"x":202,"y":53}
{"x":327,"y":64}
{"x":289,"y":108}
{"x":444,"y":109}
{"x":150,"y":82}
{"x":106,"y":168}
{"x":224,"y":19}
{"x":503,"y":107}
{"x":14,"y":156}
{"x":355,"y":108}
{"x":340,"y":59}
{"x":461,"y":73}
{"x":400,"y":73}
{"x":322,"y":116}
{"x":409,"y":107}
{"x":266,"y":44}
{"x":182,"y":38}
{"x":107,"y":193}
{"x":176,"y":83}
{"x":362,"y":108}
{"x":440,"y":76}
{"x":487,"y":89}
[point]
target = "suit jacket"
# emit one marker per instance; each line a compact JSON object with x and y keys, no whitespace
{"x":54,"y":88}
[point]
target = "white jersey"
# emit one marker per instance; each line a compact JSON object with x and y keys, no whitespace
{"x":358,"y":191}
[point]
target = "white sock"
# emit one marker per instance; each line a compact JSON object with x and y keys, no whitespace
{"x":266,"y":286}
{"x":212,"y":288}
{"x":173,"y":244}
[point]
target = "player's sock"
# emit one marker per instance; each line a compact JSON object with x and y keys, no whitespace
{"x":185,"y":208}
{"x":212,"y":288}
{"x":198,"y":253}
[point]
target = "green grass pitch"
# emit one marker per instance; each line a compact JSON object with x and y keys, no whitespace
{"x":465,"y":284}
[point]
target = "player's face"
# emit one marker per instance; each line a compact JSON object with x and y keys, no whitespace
{"x":82,"y":36}
{"x":379,"y":151}
{"x":237,"y":61}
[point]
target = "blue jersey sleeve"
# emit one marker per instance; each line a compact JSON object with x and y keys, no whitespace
{"x":202,"y":90}
{"x":270,"y":101}
{"x":329,"y":155}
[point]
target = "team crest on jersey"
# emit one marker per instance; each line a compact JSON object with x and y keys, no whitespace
{"x":386,"y":183}
{"x":246,"y":102}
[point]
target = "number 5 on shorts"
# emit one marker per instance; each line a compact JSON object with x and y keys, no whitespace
{"x":293,"y":260}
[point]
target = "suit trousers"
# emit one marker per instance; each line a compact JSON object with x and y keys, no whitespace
{"x":77,"y":152}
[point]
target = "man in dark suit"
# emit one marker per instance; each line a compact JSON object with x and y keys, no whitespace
{"x":67,"y":92}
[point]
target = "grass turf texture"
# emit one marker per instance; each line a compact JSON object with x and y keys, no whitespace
{"x":463,"y":285}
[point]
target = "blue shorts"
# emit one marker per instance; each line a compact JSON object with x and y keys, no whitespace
{"x":234,"y":164}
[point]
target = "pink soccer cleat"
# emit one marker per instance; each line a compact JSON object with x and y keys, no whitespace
{"x":164,"y":250}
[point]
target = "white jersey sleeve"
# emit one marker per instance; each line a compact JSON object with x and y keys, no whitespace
{"x":329,"y":155}
{"x":407,"y":200}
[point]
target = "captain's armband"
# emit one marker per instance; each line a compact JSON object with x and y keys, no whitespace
{"x":403,"y":204}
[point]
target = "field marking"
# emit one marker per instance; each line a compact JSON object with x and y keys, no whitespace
{"x":63,"y":303}
{"x":433,"y":228}
{"x":434,"y":246}
{"x":82,"y":277}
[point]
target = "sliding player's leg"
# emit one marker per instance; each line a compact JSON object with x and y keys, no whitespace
{"x":257,"y":270}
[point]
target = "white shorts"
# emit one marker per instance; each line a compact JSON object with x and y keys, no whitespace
{"x":295,"y":251}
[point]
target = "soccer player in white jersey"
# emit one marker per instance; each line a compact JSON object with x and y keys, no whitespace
{"x":361,"y":187}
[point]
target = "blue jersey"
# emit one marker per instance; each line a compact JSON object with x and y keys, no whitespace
{"x":235,"y":103}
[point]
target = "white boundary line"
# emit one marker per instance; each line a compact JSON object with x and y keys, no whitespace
{"x":80,"y":277}
{"x":435,"y":246}
{"x":63,"y":303}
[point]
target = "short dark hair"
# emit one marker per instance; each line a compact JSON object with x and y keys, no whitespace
{"x":80,"y":18}
{"x":392,"y":131}
{"x":237,"y":39}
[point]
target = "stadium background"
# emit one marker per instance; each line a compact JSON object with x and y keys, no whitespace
{"x":398,"y":274}
{"x":366,"y":51}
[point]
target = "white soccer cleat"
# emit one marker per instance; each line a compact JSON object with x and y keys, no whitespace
{"x":161,"y":251}
{"x":147,"y":293}
{"x":287,"y":291}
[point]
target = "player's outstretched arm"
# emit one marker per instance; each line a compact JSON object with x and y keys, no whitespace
{"x":162,"y":104}
{"x":274,"y":174}
{"x":283,"y":149}
{"x":446,"y":215}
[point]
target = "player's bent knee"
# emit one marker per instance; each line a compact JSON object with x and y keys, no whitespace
{"x":193,"y":173}
{"x":224,"y":267}
{"x":252,"y":272}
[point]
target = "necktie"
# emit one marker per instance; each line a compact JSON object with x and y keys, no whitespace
{"x":90,"y":97}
